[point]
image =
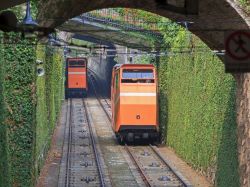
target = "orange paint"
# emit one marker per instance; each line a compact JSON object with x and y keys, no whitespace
{"x":77,"y":75}
{"x":134,"y":97}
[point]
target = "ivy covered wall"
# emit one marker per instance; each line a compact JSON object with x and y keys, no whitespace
{"x":50,"y":92}
{"x":27,"y":118}
{"x":197,"y":106}
{"x":3,"y":147}
{"x":18,"y":117}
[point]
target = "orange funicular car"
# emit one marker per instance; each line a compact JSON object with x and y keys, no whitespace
{"x":134,"y":102}
{"x":76,"y":78}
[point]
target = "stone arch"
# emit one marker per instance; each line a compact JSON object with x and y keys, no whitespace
{"x":214,"y":17}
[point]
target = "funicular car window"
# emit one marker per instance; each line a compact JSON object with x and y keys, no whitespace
{"x":77,"y":63}
{"x":135,"y":76}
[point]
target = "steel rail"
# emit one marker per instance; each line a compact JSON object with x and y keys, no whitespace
{"x":143,"y":175}
{"x":69,"y":147}
{"x":177,"y":175}
{"x":103,"y":108}
{"x":98,"y":163}
{"x":107,"y":103}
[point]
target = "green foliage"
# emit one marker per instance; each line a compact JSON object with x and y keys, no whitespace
{"x":198,"y":110}
{"x":34,"y":8}
{"x":131,"y":17}
{"x":27,"y":116}
{"x":245,"y":5}
{"x":144,"y":59}
{"x":50,"y":89}
{"x":42,"y":129}
{"x":19,"y":10}
{"x":3,"y":154}
{"x":53,"y":83}
{"x":19,"y":105}
{"x":170,"y":31}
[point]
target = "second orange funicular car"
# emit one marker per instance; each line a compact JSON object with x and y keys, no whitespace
{"x":134,"y":102}
{"x":76,"y":78}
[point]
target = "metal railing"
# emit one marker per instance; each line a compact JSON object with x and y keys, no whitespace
{"x":123,"y":26}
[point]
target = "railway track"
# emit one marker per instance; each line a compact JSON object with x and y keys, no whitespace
{"x":81,"y":163}
{"x":96,"y":154}
{"x":153,"y":168}
{"x":68,"y":163}
{"x":105,"y":104}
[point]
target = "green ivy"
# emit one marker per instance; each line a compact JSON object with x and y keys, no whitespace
{"x":18,"y":65}
{"x":144,"y":59}
{"x":141,"y":19}
{"x":29,"y":107}
{"x":53,"y":88}
{"x":198,"y":109}
{"x":3,"y":139}
{"x":50,"y":89}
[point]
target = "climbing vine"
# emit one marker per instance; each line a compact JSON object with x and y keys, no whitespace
{"x":29,"y":107}
{"x":50,"y":89}
{"x":18,"y":65}
{"x":3,"y":148}
{"x":198,"y":109}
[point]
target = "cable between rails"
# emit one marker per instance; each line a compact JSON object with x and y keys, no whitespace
{"x":98,"y":163}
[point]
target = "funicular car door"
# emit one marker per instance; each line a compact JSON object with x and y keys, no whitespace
{"x":116,"y":97}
